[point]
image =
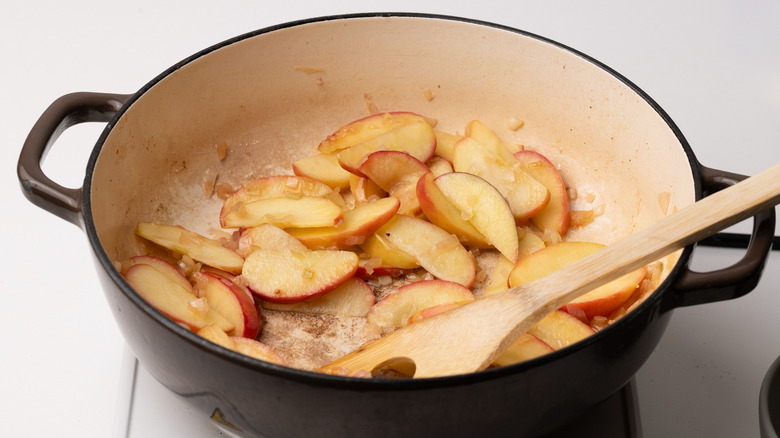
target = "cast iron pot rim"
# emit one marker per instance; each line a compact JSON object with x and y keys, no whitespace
{"x":353,"y":382}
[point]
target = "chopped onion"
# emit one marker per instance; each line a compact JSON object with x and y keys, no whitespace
{"x":514,"y":124}
{"x":580,"y":218}
{"x":221,"y":149}
{"x":207,"y":182}
{"x":223,"y":190}
{"x":200,"y":304}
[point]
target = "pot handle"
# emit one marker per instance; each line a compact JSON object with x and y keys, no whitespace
{"x":734,"y":281}
{"x":67,"y":111}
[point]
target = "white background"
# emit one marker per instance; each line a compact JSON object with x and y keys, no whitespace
{"x":714,"y":66}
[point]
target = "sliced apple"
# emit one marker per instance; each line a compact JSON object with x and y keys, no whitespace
{"x":213,"y":333}
{"x":364,"y":189}
{"x":439,"y":166}
{"x":356,"y":225}
{"x":324,"y":168}
{"x":163,"y":267}
{"x":525,"y":195}
{"x":246,"y":346}
{"x":353,"y":298}
{"x":257,"y":350}
{"x":396,"y":173}
{"x":365,"y":129}
{"x":436,"y":250}
{"x":267,"y":236}
{"x":430,"y":312}
{"x":367,"y":271}
{"x":305,"y":211}
{"x":395,"y":309}
{"x":601,"y":301}
{"x":229,"y":300}
{"x":445,"y":144}
{"x":199,"y":248}
{"x":386,"y":255}
{"x":529,"y":243}
{"x":526,"y":347}
{"x":555,"y":216}
{"x":489,"y":139}
{"x":484,"y":208}
{"x":559,"y":330}
{"x":285,"y":276}
{"x":174,"y":301}
{"x":277,"y":186}
{"x":445,"y":214}
{"x":417,"y":139}
{"x":499,"y":279}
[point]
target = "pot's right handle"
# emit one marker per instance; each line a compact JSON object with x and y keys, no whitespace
{"x":693,"y":288}
{"x":63,"y":113}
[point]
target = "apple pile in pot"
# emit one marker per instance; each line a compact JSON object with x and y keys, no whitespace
{"x":387,"y":222}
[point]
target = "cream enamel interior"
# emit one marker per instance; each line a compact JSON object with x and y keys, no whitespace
{"x":259,"y":96}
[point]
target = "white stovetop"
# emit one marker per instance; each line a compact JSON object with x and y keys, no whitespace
{"x":714,"y":66}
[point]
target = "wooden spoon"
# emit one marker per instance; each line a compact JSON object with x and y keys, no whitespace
{"x":469,"y":338}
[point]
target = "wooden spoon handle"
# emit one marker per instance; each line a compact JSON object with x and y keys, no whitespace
{"x":470,"y":337}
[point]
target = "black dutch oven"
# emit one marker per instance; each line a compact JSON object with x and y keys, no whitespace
{"x":272,"y":95}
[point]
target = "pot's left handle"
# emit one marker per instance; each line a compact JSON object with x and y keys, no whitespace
{"x":63,"y":113}
{"x":693,"y":287}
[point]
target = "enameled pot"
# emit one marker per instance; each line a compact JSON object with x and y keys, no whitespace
{"x":272,"y":95}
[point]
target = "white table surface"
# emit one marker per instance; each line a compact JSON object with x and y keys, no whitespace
{"x":714,"y":66}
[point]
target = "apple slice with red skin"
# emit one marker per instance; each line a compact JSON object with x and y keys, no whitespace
{"x":324,"y":168}
{"x":257,"y":350}
{"x":555,"y":216}
{"x":430,"y":312}
{"x":396,"y":173}
{"x":213,"y":333}
{"x":525,"y":195}
{"x":366,"y":271}
{"x":267,"y":236}
{"x":353,"y":298}
{"x":286,"y":276}
{"x":483,"y":207}
{"x":443,"y":213}
{"x":489,"y":139}
{"x":355,"y":226}
{"x":171,"y":299}
{"x":377,"y":247}
{"x":228,"y":299}
{"x":445,"y":144}
{"x":361,"y":130}
{"x":439,"y":166}
{"x":246,"y":346}
{"x":163,"y":267}
{"x":199,"y":248}
{"x":560,"y":329}
{"x":439,"y":252}
{"x":364,"y":189}
{"x":601,"y":301}
{"x":305,"y":211}
{"x":526,"y":347}
{"x":276,"y":186}
{"x":394,"y":310}
{"x":417,"y":139}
